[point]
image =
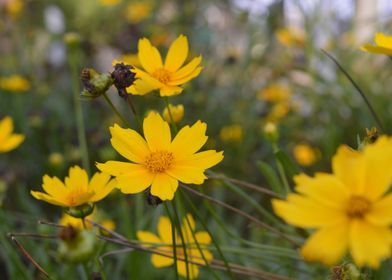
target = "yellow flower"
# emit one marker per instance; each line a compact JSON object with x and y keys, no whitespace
{"x":304,"y":154}
{"x":130,"y":59}
{"x":166,"y":77}
{"x":108,"y":3}
{"x":231,"y":133}
{"x":14,"y":7}
{"x":77,"y":223}
{"x":290,"y":37}
{"x":137,"y":11}
{"x":383,"y":45}
{"x":165,"y":239}
{"x":14,"y":83}
{"x":274,"y":93}
{"x":9,"y":140}
{"x":176,"y":111}
{"x":160,"y":162}
{"x":350,"y":209}
{"x":278,"y":111}
{"x":76,"y":189}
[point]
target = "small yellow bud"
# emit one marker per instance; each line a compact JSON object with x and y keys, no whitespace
{"x":271,"y":132}
{"x":176,"y":112}
{"x":55,"y":159}
{"x":72,"y":39}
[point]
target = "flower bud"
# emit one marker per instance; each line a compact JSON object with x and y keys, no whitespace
{"x":81,"y":211}
{"x":123,"y":77}
{"x":94,"y":83}
{"x":271,"y":132}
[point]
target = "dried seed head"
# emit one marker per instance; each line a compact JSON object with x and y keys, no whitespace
{"x":123,"y":77}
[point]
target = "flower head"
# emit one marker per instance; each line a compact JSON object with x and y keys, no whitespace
{"x":9,"y":140}
{"x":304,"y":154}
{"x":383,"y":45}
{"x":14,"y":83}
{"x":159,"y":161}
{"x":176,"y":113}
{"x":138,"y":11}
{"x":231,"y":133}
{"x":350,"y":209}
{"x":167,"y":76}
{"x":164,"y":238}
{"x":77,"y":223}
{"x":76,"y":190}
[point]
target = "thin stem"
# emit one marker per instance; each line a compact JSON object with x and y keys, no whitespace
{"x":281,"y":172}
{"x":115,"y":110}
{"x":174,"y":247}
{"x":79,"y":111}
{"x":128,"y":98}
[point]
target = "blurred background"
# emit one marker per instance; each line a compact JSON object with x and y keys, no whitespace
{"x":262,"y":63}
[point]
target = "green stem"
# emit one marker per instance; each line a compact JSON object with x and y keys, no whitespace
{"x":115,"y":110}
{"x":79,"y":110}
{"x":282,"y":174}
{"x":174,"y":246}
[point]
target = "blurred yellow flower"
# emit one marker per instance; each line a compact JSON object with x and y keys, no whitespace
{"x":164,"y":238}
{"x":383,"y":45}
{"x":278,"y":111}
{"x":14,"y":7}
{"x":138,"y":11}
{"x":290,"y":37}
{"x":274,"y":93}
{"x":108,"y":3}
{"x":350,"y":209}
{"x":231,"y":133}
{"x":167,"y":77}
{"x":14,"y":83}
{"x":176,"y":111}
{"x":270,"y":131}
{"x":56,"y":159}
{"x":304,"y":154}
{"x":76,"y":189}
{"x":9,"y":140}
{"x":159,"y":161}
{"x":95,"y":216}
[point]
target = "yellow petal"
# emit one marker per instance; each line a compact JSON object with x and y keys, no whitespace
{"x":148,"y":237}
{"x":129,"y":144}
{"x":349,"y":166}
{"x":170,"y":90}
{"x":189,"y":140}
{"x":165,"y":230}
{"x":116,"y":168}
{"x":378,"y":176}
{"x":188,"y":174}
{"x":327,"y":245}
{"x":177,"y":54}
{"x":164,"y":186}
{"x":149,"y":56}
{"x":186,"y":70}
{"x":135,"y":181}
{"x":161,"y":261}
{"x":11,"y":142}
{"x":77,"y":178}
{"x":47,"y":198}
{"x":144,"y":84}
{"x":185,"y":79}
{"x":53,"y":187}
{"x":374,"y":49}
{"x":203,"y":160}
{"x":101,"y":185}
{"x":6,"y":128}
{"x":304,"y":212}
{"x":369,"y":244}
{"x":383,"y":40}
{"x":156,"y":132}
{"x":381,"y":212}
{"x":324,"y":188}
{"x":192,"y":268}
{"x":203,"y":237}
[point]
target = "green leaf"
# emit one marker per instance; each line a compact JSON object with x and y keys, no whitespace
{"x":270,"y":175}
{"x":290,"y":167}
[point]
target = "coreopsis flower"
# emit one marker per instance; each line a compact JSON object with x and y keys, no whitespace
{"x":167,"y":76}
{"x":383,"y":45}
{"x":164,"y":244}
{"x":290,"y":37}
{"x":137,"y":11}
{"x":275,"y":93}
{"x":95,"y":216}
{"x":76,"y":190}
{"x":231,"y":133}
{"x":14,"y":83}
{"x":9,"y":140}
{"x":176,"y":113}
{"x":350,"y":209}
{"x":304,"y":154}
{"x":158,"y":161}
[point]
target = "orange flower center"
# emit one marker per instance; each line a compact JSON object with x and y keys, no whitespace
{"x":358,"y":206}
{"x":159,"y":161}
{"x":162,"y":75}
{"x":78,"y":196}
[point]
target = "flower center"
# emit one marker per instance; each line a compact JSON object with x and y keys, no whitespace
{"x":78,"y":196}
{"x":159,"y":161}
{"x":162,"y":75}
{"x":358,"y":206}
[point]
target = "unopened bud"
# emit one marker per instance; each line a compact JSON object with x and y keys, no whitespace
{"x":271,"y":132}
{"x":94,"y":83}
{"x":80,"y":211}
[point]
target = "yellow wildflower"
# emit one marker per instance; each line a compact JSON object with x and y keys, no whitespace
{"x":159,"y":161}
{"x":166,"y":77}
{"x":274,"y":93}
{"x":130,"y":59}
{"x":383,"y":45}
{"x":14,"y":7}
{"x":304,"y":154}
{"x":350,"y":209}
{"x":278,"y":111}
{"x":108,"y":3}
{"x":165,"y":239}
{"x":231,"y":133}
{"x":176,"y":111}
{"x":138,"y":11}
{"x":76,"y":189}
{"x":14,"y":83}
{"x":290,"y":37}
{"x":9,"y":140}
{"x":77,"y":223}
